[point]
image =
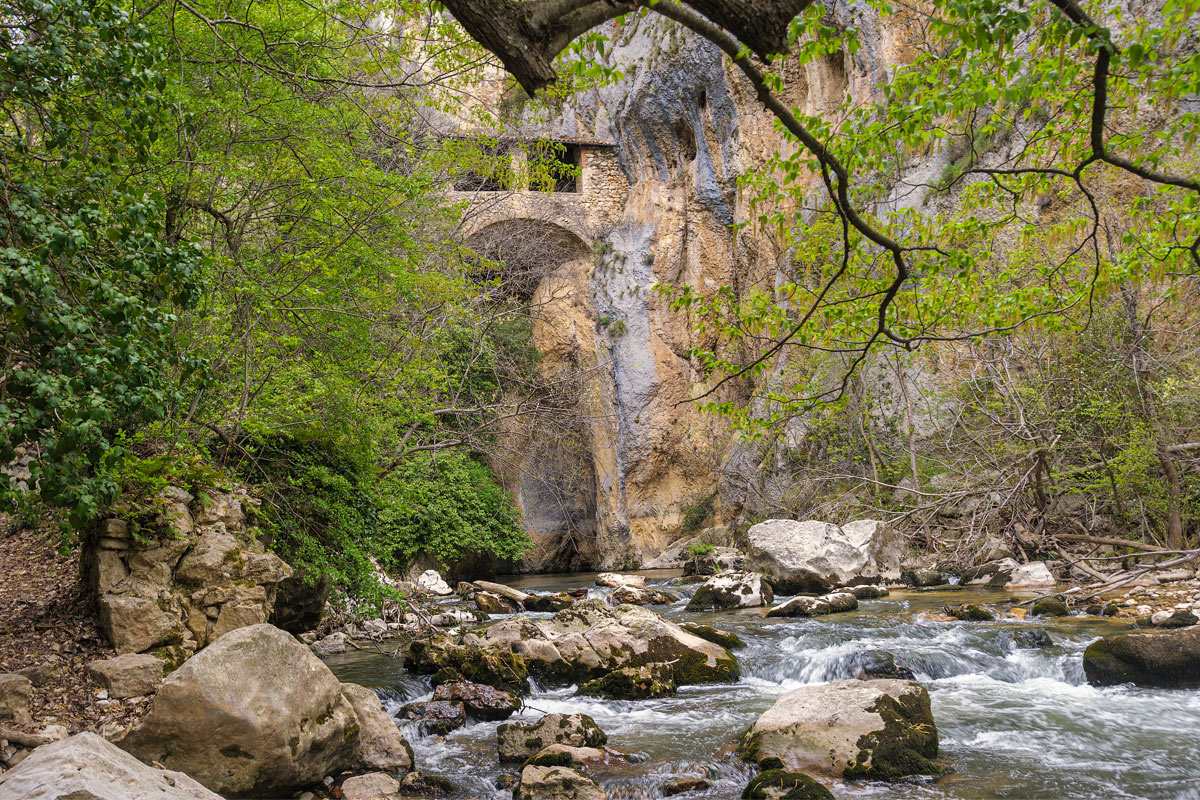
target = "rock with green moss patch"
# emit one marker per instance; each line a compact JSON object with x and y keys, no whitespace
{"x":726,"y":639}
{"x":517,"y":741}
{"x":873,"y":729}
{"x":633,"y":683}
{"x":564,"y":755}
{"x":779,"y":784}
{"x":1050,"y":607}
{"x":1163,"y":659}
{"x":969,"y":613}
{"x":684,"y":785}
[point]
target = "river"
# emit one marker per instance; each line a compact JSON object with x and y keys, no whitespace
{"x":1013,"y":722}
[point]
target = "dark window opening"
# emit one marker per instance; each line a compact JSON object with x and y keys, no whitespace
{"x":702,"y":100}
{"x":489,"y":169}
{"x":555,"y":167}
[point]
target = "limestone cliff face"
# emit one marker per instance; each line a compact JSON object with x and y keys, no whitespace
{"x":685,"y":126}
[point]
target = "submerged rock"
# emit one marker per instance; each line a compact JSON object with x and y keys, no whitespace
{"x":732,"y":590}
{"x":588,"y":640}
{"x":685,"y":785}
{"x":1162,"y":659}
{"x":517,"y":741}
{"x":257,"y":713}
{"x":818,"y":556}
{"x":779,"y":784}
{"x":815,"y":606}
{"x":87,"y":767}
{"x":1032,"y":638}
{"x":876,"y":729}
{"x":880,"y":664}
{"x":556,"y":783}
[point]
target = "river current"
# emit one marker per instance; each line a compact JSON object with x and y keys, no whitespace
{"x":1013,"y":722}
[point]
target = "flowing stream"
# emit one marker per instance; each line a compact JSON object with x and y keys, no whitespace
{"x":1014,"y":722}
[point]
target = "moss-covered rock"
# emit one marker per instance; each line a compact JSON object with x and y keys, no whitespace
{"x":1049,"y":607}
{"x":779,"y":784}
{"x":1164,"y":659}
{"x":872,"y":729}
{"x":969,"y":613}
{"x":633,"y":683}
{"x":727,"y":639}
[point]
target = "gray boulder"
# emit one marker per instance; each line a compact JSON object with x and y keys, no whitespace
{"x":818,"y":556}
{"x":732,"y":590}
{"x":556,"y":783}
{"x":873,"y":729}
{"x":128,"y":675}
{"x":517,"y":741}
{"x":257,"y":713}
{"x":87,"y":767}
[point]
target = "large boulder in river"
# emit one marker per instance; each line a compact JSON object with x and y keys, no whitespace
{"x":804,"y":606}
{"x":556,"y":783}
{"x":818,"y":556}
{"x":874,"y":729}
{"x":87,"y":767}
{"x":256,"y":713}
{"x":732,"y":590}
{"x":1163,"y":659}
{"x":517,"y":741}
{"x":586,"y":641}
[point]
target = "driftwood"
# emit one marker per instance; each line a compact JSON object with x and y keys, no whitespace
{"x":1079,"y":537}
{"x":23,"y":739}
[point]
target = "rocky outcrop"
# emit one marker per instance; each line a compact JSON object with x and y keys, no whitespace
{"x":639,"y":597}
{"x":517,"y":741}
{"x":1034,"y":575}
{"x":1162,"y":659}
{"x":556,"y":783}
{"x":818,"y":556}
{"x":718,"y":559}
{"x":196,"y":573}
{"x":257,"y":713}
{"x":372,"y":786}
{"x":815,"y":606}
{"x":580,"y":643}
{"x":431,"y":582}
{"x":873,"y":729}
{"x":87,"y":767}
{"x":129,"y":675}
{"x":732,"y":590}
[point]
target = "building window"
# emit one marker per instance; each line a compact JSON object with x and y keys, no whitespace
{"x":555,"y":167}
{"x":489,"y":168}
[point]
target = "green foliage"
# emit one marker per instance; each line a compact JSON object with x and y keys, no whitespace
{"x":90,"y":284}
{"x":695,"y":515}
{"x":695,"y":551}
{"x":449,"y":506}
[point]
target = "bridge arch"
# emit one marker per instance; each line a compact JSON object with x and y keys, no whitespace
{"x":522,"y":251}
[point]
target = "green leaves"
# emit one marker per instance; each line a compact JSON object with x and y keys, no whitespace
{"x":89,"y":289}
